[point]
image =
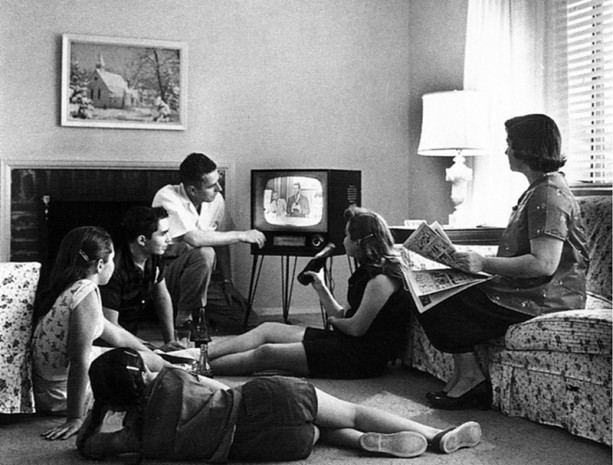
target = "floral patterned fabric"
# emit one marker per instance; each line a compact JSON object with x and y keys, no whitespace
{"x":560,"y":397}
{"x":575,"y":331}
{"x":554,"y":369}
{"x":50,"y":341}
{"x":18,"y":283}
{"x":596,"y":213}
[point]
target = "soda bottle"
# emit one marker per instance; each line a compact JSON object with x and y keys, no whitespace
{"x":204,"y":368}
{"x":201,"y":333}
{"x":316,"y":264}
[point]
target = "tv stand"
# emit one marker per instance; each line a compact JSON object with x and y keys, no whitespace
{"x":288,"y":277}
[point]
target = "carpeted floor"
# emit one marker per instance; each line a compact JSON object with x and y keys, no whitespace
{"x":506,"y":441}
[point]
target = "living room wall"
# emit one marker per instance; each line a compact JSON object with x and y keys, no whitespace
{"x":272,"y":83}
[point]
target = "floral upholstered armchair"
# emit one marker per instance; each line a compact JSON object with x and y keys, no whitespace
{"x":555,"y":369}
{"x":18,"y":283}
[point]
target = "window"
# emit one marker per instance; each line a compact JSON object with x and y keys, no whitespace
{"x":583,"y":58}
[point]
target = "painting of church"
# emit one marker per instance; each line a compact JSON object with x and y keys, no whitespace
{"x":110,"y":90}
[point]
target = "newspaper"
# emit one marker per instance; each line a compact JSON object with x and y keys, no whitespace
{"x":432,"y":286}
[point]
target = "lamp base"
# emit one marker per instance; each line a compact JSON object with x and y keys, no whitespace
{"x":459,"y":175}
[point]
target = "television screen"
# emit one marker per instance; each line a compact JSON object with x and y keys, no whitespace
{"x":291,"y":201}
{"x":301,"y":210}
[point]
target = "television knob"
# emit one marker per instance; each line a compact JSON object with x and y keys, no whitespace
{"x":317,"y":241}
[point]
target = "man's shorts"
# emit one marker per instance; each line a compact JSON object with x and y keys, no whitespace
{"x":275,"y":420}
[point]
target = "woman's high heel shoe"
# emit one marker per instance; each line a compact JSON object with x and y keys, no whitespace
{"x":478,"y":397}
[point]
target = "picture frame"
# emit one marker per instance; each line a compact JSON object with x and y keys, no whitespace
{"x":111,"y":82}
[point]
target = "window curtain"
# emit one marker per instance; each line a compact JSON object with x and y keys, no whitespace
{"x":508,"y":59}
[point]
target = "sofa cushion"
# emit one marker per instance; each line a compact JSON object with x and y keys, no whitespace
{"x":596,"y":214}
{"x":575,"y":331}
{"x":595,"y":301}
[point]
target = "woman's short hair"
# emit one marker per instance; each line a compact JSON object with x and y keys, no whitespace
{"x":535,"y":140}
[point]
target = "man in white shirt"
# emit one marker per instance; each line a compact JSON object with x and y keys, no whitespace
{"x":201,"y":232}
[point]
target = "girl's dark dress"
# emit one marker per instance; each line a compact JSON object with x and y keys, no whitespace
{"x":332,"y":354}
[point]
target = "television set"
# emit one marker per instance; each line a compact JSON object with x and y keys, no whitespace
{"x":301,"y":210}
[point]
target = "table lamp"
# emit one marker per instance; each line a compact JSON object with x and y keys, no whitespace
{"x":454,"y":124}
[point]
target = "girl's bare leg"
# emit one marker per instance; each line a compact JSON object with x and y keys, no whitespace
{"x":262,"y":334}
{"x":333,"y":412}
{"x":288,"y":357}
{"x":357,"y":426}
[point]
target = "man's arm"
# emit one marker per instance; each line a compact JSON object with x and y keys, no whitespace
{"x":199,"y":238}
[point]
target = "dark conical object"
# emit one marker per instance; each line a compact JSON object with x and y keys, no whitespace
{"x":316,"y":264}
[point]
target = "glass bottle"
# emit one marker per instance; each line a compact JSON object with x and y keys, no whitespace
{"x":204,"y":368}
{"x":201,"y":333}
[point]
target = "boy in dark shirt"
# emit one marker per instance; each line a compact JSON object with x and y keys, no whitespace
{"x":138,"y":280}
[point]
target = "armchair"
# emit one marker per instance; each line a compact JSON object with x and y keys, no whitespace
{"x":18,"y":283}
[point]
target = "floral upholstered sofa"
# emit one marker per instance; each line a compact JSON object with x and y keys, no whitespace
{"x":554,"y":369}
{"x":18,"y":283}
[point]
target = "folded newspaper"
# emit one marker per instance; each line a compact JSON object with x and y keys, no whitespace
{"x":431,"y":286}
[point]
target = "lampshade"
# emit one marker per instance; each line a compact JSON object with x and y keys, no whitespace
{"x":453,"y":123}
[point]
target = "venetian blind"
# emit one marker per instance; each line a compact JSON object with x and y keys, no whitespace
{"x":584,"y":61}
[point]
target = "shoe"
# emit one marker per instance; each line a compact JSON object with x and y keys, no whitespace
{"x":435,"y":395}
{"x":478,"y":397}
{"x":466,"y":435}
{"x":402,"y":444}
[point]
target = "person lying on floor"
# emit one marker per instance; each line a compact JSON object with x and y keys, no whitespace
{"x":178,"y":415}
{"x":366,"y":336}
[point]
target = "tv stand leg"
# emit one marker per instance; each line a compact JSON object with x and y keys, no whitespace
{"x":256,"y":270}
{"x":287,"y":284}
{"x":288,"y":275}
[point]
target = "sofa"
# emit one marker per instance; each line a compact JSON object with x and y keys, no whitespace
{"x":18,"y":283}
{"x":556,"y":368}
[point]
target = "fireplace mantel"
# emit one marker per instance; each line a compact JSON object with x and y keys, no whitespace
{"x":7,"y":166}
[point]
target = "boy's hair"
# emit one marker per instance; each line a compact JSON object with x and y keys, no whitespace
{"x":535,"y":140}
{"x":79,"y":250}
{"x":194,"y":167}
{"x":142,"y":221}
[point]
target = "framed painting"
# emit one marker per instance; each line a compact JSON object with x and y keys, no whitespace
{"x":110,"y":82}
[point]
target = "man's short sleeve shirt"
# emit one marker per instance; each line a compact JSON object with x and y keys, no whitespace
{"x":183,"y":216}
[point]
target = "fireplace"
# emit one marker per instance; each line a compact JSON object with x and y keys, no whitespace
{"x":40,"y":200}
{"x":47,"y":203}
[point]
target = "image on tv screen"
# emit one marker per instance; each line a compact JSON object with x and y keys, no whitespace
{"x":293,"y":201}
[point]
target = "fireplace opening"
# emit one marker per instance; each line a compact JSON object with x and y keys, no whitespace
{"x":64,"y":216}
{"x":47,"y":203}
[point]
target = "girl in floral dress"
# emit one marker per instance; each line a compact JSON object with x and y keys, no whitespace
{"x":70,"y":319}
